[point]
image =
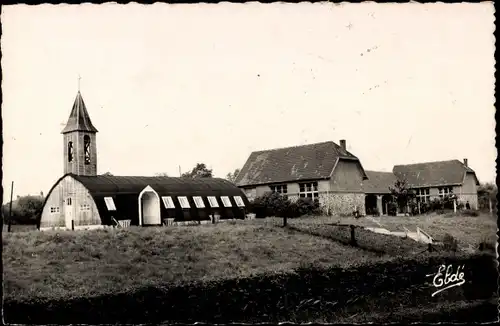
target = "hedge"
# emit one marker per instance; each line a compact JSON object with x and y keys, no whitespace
{"x":271,"y":298}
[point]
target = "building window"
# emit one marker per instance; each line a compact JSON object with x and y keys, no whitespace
{"x":70,"y":151}
{"x":184,"y":202}
{"x":309,"y":190}
{"x":213,"y":201}
{"x":445,"y":191}
{"x":198,"y":202}
{"x":168,"y":202}
{"x":239,"y":202}
{"x":85,"y":207}
{"x":110,"y":204}
{"x":86,"y":147}
{"x":225,"y":201}
{"x":423,"y":195}
{"x":280,"y":189}
{"x":54,"y":210}
{"x":68,"y":201}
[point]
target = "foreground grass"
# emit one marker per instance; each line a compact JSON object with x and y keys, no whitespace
{"x":65,"y":264}
{"x":251,"y":271}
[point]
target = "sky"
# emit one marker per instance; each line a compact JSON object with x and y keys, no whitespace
{"x":173,"y":85}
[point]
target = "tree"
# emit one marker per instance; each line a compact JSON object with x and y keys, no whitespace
{"x":25,"y":209}
{"x":199,"y":171}
{"x":109,"y":174}
{"x":232,"y":176}
{"x":161,"y":174}
{"x":485,"y":193}
{"x":402,"y":194}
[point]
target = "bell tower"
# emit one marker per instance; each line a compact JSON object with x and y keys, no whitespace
{"x":80,"y":150}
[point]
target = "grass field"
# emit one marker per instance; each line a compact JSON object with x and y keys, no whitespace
{"x":68,"y":266}
{"x":468,"y":230}
{"x":19,"y":228}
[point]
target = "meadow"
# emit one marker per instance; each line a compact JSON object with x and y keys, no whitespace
{"x":235,"y":271}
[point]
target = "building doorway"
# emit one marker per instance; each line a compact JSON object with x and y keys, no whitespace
{"x":149,"y":207}
{"x":386,"y":199}
{"x":371,"y":204}
{"x":68,"y":212}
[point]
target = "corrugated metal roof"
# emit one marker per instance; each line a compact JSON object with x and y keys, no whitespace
{"x":433,"y":174}
{"x":306,"y":162}
{"x":102,"y":185}
{"x":379,"y":182}
{"x":79,"y":119}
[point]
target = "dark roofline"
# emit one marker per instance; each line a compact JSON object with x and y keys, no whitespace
{"x":290,"y":147}
{"x":297,"y":146}
{"x":253,"y":185}
{"x":435,"y":186}
{"x":433,"y":162}
{"x":427,"y":162}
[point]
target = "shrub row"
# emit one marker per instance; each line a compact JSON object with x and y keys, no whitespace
{"x":275,"y":204}
{"x":268,"y":298}
{"x":437,"y":205}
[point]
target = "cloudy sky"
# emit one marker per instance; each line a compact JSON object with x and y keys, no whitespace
{"x":173,"y":85}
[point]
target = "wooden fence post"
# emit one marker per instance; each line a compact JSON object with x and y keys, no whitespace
{"x":419,"y":213}
{"x":454,"y":205}
{"x":284,"y":220}
{"x":73,"y":225}
{"x":353,"y":237}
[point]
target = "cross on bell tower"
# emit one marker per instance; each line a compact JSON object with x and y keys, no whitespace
{"x":80,"y":150}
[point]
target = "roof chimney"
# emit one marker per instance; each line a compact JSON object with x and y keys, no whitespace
{"x":342,"y":144}
{"x":465,"y":162}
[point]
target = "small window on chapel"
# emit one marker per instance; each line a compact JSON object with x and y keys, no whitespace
{"x":86,"y":147}
{"x":70,"y":151}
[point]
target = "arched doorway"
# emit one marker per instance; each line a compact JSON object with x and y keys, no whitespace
{"x":370,"y":204}
{"x":149,"y":207}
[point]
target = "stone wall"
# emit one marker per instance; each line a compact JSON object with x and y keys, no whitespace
{"x":343,"y":203}
{"x":338,"y":203}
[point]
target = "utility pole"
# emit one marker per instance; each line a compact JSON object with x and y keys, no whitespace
{"x":180,"y":174}
{"x":10,"y":206}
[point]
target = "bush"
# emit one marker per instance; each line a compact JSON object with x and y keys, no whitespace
{"x":392,"y":209}
{"x":305,"y":206}
{"x":274,"y":204}
{"x":270,"y":204}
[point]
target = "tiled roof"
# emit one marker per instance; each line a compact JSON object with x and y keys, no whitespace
{"x":433,"y":174}
{"x":306,"y":162}
{"x":379,"y":182}
{"x":79,"y":119}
